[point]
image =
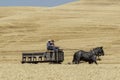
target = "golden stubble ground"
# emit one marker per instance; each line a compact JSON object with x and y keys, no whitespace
{"x":59,"y":72}
{"x":81,"y":25}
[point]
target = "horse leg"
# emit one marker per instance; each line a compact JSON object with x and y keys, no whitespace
{"x":76,"y":62}
{"x":90,"y":62}
{"x":73,"y":61}
{"x":79,"y":61}
{"x":95,"y":62}
{"x":99,"y":58}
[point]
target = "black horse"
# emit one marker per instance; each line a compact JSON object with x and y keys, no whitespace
{"x":89,"y":57}
{"x":81,"y":55}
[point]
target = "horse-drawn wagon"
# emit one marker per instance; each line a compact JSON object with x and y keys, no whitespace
{"x":40,"y":57}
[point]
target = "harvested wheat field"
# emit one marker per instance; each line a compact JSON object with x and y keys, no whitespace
{"x":81,"y":25}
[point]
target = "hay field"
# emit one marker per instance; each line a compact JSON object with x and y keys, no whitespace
{"x":84,"y":24}
{"x":59,"y":72}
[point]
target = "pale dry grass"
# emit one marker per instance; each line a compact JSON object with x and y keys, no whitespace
{"x":79,"y":25}
{"x":59,"y":72}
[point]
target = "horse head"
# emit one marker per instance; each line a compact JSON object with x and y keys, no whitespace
{"x":99,"y":51}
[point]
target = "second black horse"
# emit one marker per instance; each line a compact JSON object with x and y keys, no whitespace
{"x":89,"y":57}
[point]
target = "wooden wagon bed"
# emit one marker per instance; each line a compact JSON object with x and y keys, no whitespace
{"x":42,"y":57}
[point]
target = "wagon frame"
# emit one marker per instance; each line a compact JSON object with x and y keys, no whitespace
{"x":42,"y":57}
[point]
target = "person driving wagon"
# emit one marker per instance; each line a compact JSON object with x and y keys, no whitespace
{"x":51,"y":46}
